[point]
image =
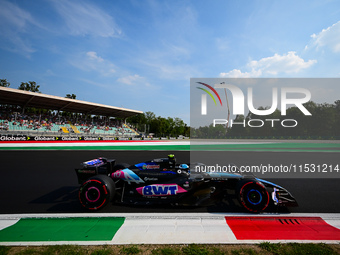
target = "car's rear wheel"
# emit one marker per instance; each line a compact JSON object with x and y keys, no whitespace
{"x":96,"y":192}
{"x":253,"y":196}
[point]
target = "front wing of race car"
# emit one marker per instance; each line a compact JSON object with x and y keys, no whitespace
{"x":279,"y":195}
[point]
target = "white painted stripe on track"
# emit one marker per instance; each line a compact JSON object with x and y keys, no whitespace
{"x":333,"y":222}
{"x":119,"y":143}
{"x":72,"y":144}
{"x":174,"y":231}
{"x":325,"y":216}
{"x":5,"y":223}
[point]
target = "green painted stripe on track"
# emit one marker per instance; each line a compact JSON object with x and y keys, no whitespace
{"x":272,"y":146}
{"x":62,"y":229}
{"x":271,"y":150}
{"x":280,"y":145}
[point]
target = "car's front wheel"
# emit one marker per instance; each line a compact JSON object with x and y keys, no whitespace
{"x":253,"y":195}
{"x":96,"y":192}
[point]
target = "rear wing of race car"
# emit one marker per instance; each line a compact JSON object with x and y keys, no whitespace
{"x":94,"y":167}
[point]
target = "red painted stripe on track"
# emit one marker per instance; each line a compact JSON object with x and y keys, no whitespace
{"x":282,"y":228}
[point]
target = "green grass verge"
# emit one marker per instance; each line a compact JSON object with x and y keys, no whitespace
{"x":191,"y":249}
{"x":298,"y":248}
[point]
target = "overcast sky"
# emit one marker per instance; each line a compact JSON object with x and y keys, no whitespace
{"x":141,"y":54}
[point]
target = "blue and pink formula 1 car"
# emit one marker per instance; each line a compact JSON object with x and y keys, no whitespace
{"x":163,"y":181}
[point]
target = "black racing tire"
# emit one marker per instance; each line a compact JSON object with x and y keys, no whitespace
{"x":252,"y":195}
{"x":96,"y":192}
{"x":120,"y":166}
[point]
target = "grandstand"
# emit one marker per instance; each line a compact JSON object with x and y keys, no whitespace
{"x":111,"y":123}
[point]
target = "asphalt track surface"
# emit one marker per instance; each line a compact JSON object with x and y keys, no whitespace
{"x":45,"y":181}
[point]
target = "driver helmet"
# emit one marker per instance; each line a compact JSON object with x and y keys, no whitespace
{"x":184,"y":167}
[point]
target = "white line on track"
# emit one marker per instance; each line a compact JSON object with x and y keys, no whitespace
{"x":72,"y":144}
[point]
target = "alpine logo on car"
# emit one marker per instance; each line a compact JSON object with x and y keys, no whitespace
{"x":160,"y":190}
{"x":127,"y":175}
